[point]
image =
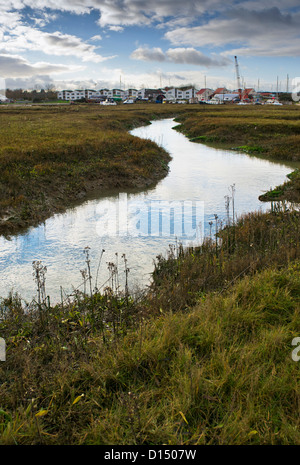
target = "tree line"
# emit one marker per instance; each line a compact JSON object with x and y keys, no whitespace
{"x":31,"y":95}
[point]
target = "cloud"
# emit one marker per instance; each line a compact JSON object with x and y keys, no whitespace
{"x":33,"y":82}
{"x":96,"y":38}
{"x":168,"y":13}
{"x":147,"y":54}
{"x":241,"y":27}
{"x":287,"y":50}
{"x":144,"y":12}
{"x":122,"y":12}
{"x":43,"y":18}
{"x":15,"y":66}
{"x":22,"y":38}
{"x":189,"y":56}
{"x":116,"y":28}
{"x":252,"y":30}
{"x":194,"y":57}
{"x":110,"y":78}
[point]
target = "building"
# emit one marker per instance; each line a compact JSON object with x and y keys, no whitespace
{"x":118,"y":94}
{"x":150,"y":94}
{"x":78,"y":94}
{"x":249,"y":94}
{"x":221,"y":90}
{"x":131,"y":93}
{"x":204,"y":94}
{"x":190,"y":93}
{"x":170,"y":94}
{"x":183,"y":93}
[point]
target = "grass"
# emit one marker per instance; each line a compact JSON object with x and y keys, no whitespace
{"x":289,"y":190}
{"x":264,"y":131}
{"x":53,"y":155}
{"x":201,"y":357}
{"x":198,"y":359}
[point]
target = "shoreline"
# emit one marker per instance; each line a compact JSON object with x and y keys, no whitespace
{"x":38,"y":183}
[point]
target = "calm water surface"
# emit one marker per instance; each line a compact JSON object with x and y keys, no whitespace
{"x":140,"y":225}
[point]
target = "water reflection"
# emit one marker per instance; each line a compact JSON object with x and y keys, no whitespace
{"x":181,"y":204}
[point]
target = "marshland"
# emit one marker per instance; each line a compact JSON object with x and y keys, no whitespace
{"x":200,"y":356}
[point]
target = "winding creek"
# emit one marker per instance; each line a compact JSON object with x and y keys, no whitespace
{"x":142,"y":224}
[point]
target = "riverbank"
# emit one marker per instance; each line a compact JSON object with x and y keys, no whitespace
{"x":51,"y":156}
{"x":265,"y":131}
{"x":203,"y":357}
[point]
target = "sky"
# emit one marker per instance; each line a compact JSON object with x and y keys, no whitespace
{"x":77,"y":44}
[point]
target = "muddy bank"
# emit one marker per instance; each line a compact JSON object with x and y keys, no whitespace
{"x":60,"y":194}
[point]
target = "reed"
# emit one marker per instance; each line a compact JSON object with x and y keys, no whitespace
{"x":201,"y":357}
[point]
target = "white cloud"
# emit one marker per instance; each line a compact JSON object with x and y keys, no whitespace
{"x":116,"y":28}
{"x":43,"y":18}
{"x":124,"y":12}
{"x":22,"y":38}
{"x":147,"y":54}
{"x":266,"y":30}
{"x":15,"y":66}
{"x":189,"y":56}
{"x":144,"y":12}
{"x":110,"y":78}
{"x":242,"y":27}
{"x":192,"y":56}
{"x":96,"y":38}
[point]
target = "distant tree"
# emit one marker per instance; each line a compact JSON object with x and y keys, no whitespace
{"x":285,"y":97}
{"x":9,"y":94}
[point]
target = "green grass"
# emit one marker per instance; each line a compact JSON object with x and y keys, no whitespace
{"x":219,"y":374}
{"x":204,"y":357}
{"x":264,"y":131}
{"x":289,"y":190}
{"x":51,"y":155}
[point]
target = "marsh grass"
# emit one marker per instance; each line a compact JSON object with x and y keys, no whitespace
{"x":50,"y":156}
{"x":263,"y":131}
{"x":201,"y":357}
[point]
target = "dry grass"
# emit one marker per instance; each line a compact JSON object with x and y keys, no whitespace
{"x":203,"y":357}
{"x":206,"y":361}
{"x":260,"y":131}
{"x":50,"y":156}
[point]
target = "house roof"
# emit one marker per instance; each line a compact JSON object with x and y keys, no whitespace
{"x":226,"y":97}
{"x":248,"y":91}
{"x":220,"y":90}
{"x":201,"y":91}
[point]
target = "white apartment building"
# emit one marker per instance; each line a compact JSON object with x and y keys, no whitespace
{"x":133,"y":93}
{"x":142,"y":93}
{"x":118,"y":93}
{"x":190,"y":93}
{"x":76,"y":94}
{"x":174,"y":93}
